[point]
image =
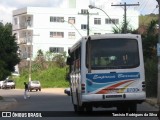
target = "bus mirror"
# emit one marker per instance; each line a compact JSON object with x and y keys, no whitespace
{"x":69,"y":61}
{"x":68,"y":77}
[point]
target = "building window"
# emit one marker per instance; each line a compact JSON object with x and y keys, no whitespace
{"x":83,"y":26}
{"x":56,"y":49}
{"x":97,"y":21}
{"x":112,"y":21}
{"x":56,"y":19}
{"x":15,"y":21}
{"x":71,"y":35}
{"x":57,"y":34}
{"x":71,"y":20}
{"x":29,"y":22}
{"x":84,"y":11}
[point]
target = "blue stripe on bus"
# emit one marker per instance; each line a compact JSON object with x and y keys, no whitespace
{"x":111,"y":77}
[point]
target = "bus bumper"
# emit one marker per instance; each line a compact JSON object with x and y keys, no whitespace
{"x":114,"y":97}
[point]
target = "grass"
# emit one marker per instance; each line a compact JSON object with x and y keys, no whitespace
{"x":52,"y":77}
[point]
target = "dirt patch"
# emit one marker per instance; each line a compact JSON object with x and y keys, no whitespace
{"x":53,"y":90}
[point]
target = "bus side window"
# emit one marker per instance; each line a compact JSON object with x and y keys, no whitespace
{"x":77,"y":59}
{"x":69,"y":61}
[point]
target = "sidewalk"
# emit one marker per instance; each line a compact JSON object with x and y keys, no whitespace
{"x":152,"y":101}
{"x":7,"y":103}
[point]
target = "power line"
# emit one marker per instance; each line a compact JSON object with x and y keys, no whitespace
{"x":125,"y":13}
{"x":144,"y":6}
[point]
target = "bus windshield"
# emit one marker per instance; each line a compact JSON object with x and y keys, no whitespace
{"x":113,"y":53}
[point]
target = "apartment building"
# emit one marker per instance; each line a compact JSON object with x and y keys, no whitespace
{"x":57,"y":29}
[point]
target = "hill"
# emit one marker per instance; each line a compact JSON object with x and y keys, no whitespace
{"x":146,"y":19}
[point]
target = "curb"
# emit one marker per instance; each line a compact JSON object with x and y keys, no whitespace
{"x":152,"y":101}
{"x":7,"y":103}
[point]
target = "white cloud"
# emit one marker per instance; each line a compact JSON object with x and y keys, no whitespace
{"x":7,"y":6}
{"x":6,"y":13}
{"x":148,"y":6}
{"x":145,"y":7}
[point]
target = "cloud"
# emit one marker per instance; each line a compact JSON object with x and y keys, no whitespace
{"x":6,"y":13}
{"x":104,"y":4}
{"x":36,"y":3}
{"x":145,"y":6}
{"x":7,"y":6}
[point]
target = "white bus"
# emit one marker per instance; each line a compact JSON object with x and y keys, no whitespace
{"x":107,"y":71}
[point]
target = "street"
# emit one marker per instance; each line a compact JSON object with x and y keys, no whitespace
{"x":59,"y":105}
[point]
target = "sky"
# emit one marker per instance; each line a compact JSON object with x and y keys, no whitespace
{"x":7,"y":6}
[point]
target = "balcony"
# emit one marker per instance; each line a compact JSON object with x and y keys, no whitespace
{"x":22,"y":41}
{"x":25,"y":40}
{"x":26,"y":21}
{"x":24,"y":55}
{"x":25,"y":25}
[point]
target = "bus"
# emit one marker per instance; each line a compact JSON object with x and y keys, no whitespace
{"x":107,"y":71}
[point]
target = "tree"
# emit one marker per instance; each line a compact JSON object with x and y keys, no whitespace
{"x":40,"y":62}
{"x":8,"y":51}
{"x":150,"y":39}
{"x":122,"y":28}
{"x":60,"y":59}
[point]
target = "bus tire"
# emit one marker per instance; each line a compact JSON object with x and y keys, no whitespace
{"x":79,"y":108}
{"x":75,"y":108}
{"x":133,"y":107}
{"x":123,"y":108}
{"x":71,"y":94}
{"x":89,"y":108}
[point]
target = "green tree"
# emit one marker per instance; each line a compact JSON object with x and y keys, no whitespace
{"x":8,"y":51}
{"x":60,"y":59}
{"x":122,"y":28}
{"x":150,"y":39}
{"x":40,"y":62}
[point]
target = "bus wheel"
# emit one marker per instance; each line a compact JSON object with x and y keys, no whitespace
{"x":75,"y":108}
{"x":122,"y":108}
{"x":78,"y":109}
{"x":89,"y":108}
{"x":133,"y":107}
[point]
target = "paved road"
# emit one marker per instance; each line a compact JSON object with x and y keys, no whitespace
{"x":55,"y":100}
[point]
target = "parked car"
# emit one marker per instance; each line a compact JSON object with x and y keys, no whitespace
{"x":15,"y":74}
{"x":67,"y":91}
{"x":9,"y":84}
{"x":34,"y":85}
{"x":1,"y":84}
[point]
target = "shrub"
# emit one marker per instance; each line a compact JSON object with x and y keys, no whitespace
{"x":151,"y":77}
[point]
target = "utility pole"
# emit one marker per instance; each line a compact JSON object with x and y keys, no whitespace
{"x":88,"y":19}
{"x":158,"y":81}
{"x":30,"y":57}
{"x":87,"y":23}
{"x":125,"y":13}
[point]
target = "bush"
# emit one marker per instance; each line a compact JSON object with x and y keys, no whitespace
{"x":51,"y":76}
{"x":151,"y":77}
